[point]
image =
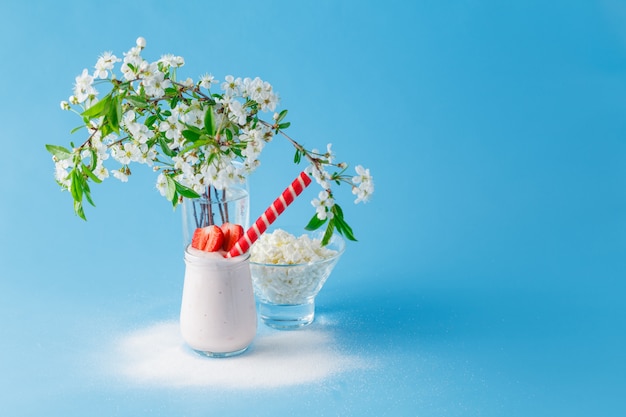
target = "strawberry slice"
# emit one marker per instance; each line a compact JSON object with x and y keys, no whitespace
{"x":215,"y":239}
{"x":209,"y":238}
{"x":232,"y":233}
{"x":200,"y":236}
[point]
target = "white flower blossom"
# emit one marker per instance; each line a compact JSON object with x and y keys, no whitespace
{"x":237,"y":112}
{"x":133,"y":62}
{"x":83,"y":87}
{"x":229,"y":175}
{"x":133,"y":151}
{"x":117,"y":152}
{"x":120,"y":174}
{"x":261,"y":92}
{"x":105,"y":64}
{"x":320,"y":175}
{"x":148,"y":155}
{"x":323,"y":205}
{"x":127,"y":153}
{"x":363,"y":175}
{"x":170,"y":60}
{"x":182,"y":165}
{"x":161,"y":184}
{"x":171,"y":127}
{"x":253,"y":149}
{"x":141,"y":132}
{"x":61,"y":173}
{"x":207,"y":80}
{"x":155,"y":84}
{"x":329,"y":154}
{"x":364,"y":185}
{"x":231,"y":86}
{"x":193,"y":115}
{"x":101,"y":172}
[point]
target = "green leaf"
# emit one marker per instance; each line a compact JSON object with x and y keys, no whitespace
{"x":185,"y":191}
{"x":281,"y":116}
{"x":78,"y":209}
{"x":101,"y":108}
{"x":330,"y":229}
{"x":191,"y":135}
{"x":209,"y":121}
{"x":194,"y":145}
{"x":150,"y":120}
{"x":105,"y":129}
{"x":284,"y":125}
{"x":337,"y":210}
{"x":87,"y":194}
{"x":195,"y":129}
{"x":165,"y":147}
{"x":87,"y":171}
{"x":297,"y":157}
{"x":94,"y":159}
{"x":315,"y":223}
{"x":114,"y":115}
{"x":137,"y":101}
{"x":170,"y":191}
{"x":76,"y":129}
{"x":237,"y":152}
{"x":211,"y":158}
{"x":171,"y":92}
{"x":76,"y":186}
{"x":59,"y":151}
{"x":342,"y":227}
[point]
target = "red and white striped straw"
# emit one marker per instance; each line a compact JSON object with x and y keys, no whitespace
{"x":262,"y":223}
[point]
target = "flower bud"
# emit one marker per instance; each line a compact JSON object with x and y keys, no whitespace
{"x":141,"y":42}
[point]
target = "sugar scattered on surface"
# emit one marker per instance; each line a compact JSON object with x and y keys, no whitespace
{"x":157,"y":355}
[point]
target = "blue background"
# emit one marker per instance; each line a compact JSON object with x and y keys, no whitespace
{"x":488,"y":279}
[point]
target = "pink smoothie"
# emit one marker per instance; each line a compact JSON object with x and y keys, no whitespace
{"x":218,"y":314}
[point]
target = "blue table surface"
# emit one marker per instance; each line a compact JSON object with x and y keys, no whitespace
{"x":488,"y":279}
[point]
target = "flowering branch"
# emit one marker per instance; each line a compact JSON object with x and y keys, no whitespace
{"x":187,"y":133}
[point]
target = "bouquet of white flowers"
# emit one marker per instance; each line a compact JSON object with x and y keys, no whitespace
{"x":188,"y":132}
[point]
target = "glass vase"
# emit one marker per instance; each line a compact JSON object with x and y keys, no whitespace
{"x":230,"y":205}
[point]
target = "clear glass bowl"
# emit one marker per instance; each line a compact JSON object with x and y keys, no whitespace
{"x":286,"y":292}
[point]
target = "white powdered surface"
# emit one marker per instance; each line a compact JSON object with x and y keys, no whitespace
{"x":157,"y":355}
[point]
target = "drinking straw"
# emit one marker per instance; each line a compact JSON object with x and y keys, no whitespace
{"x":271,"y":213}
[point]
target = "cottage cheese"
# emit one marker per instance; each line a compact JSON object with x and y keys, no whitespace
{"x":283,"y":248}
{"x":287,"y":269}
